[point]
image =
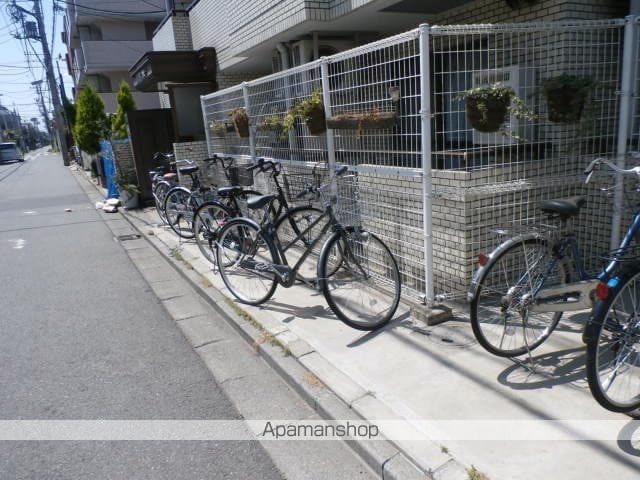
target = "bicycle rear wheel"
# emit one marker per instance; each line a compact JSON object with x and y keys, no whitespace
{"x":500,"y":311}
{"x":244,"y":257}
{"x":613,"y":349}
{"x":178,"y":209}
{"x":209,"y":217}
{"x":159,"y":194}
{"x":359,"y":278}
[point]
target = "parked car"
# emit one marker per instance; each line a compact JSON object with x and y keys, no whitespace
{"x":9,"y":152}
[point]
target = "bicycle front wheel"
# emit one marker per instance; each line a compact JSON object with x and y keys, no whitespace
{"x":209,"y":217}
{"x":177,"y":208}
{"x":613,"y":352}
{"x":501,"y":318}
{"x":359,"y":278}
{"x":159,"y":194}
{"x":245,"y":260}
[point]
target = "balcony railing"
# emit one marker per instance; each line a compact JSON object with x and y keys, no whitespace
{"x":112,"y":55}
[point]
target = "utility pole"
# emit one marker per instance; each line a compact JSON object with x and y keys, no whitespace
{"x":43,"y":108}
{"x":41,"y":36}
{"x":51,"y":79}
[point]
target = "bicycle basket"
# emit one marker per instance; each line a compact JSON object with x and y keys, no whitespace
{"x":631,"y":254}
{"x":239,"y":176}
{"x":342,"y":194}
{"x":215,"y":174}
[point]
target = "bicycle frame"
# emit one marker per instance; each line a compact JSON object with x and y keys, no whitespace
{"x":288,"y":275}
{"x":573,"y":296}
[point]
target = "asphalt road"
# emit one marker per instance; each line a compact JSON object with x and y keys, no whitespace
{"x":83,"y":337}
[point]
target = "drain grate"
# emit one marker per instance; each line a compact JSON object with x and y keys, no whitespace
{"x":131,"y":236}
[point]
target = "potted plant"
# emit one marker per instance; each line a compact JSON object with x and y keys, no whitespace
{"x":240,"y":121}
{"x":487,"y":106}
{"x":372,"y":119}
{"x":311,"y":110}
{"x":221,"y":128}
{"x":566,"y":96}
{"x":271,"y":123}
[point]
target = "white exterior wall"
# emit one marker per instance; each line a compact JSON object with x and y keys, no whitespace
{"x":164,"y":40}
{"x":233,"y":26}
{"x":122,"y":30}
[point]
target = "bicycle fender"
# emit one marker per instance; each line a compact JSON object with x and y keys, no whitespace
{"x":325,"y":246}
{"x":479,"y":274}
{"x":599,"y":310}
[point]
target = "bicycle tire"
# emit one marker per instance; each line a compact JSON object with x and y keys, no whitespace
{"x":159,"y":194}
{"x":368,"y":272}
{"x":613,"y":354}
{"x":209,"y":217}
{"x":508,"y":267}
{"x":289,"y":226}
{"x":179,"y":211}
{"x":240,"y":244}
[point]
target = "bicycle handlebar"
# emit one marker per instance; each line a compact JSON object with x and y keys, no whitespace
{"x":600,"y":161}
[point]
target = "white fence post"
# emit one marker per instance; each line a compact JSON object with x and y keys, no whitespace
{"x":326,"y":98}
{"x":425,"y":139}
{"x":252,"y":133}
{"x":627,"y":89}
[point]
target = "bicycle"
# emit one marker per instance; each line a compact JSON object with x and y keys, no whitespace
{"x":522,"y":287}
{"x":353,"y":269}
{"x":163,"y":178}
{"x":228,"y":203}
{"x":181,"y":202}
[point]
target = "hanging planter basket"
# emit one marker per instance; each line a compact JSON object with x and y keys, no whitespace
{"x":316,"y":120}
{"x":487,"y":115}
{"x":566,"y":96}
{"x":271,"y":124}
{"x":240,"y":122}
{"x":221,"y":128}
{"x":363,"y":121}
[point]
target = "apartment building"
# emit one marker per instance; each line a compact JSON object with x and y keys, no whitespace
{"x":104,"y":39}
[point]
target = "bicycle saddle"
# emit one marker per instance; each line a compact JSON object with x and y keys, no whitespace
{"x":565,"y":207}
{"x":188,"y":170}
{"x":229,"y":191}
{"x":260,"y":201}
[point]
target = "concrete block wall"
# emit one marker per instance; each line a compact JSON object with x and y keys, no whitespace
{"x":124,"y":158}
{"x":195,"y":151}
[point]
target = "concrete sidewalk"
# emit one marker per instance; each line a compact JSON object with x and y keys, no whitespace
{"x":430,"y":381}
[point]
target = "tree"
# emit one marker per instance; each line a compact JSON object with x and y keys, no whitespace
{"x":69,"y":113}
{"x":90,"y":120}
{"x":126,"y":103}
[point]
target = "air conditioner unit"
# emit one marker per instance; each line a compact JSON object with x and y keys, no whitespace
{"x":516,"y":78}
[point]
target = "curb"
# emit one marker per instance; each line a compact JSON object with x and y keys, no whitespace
{"x":342,"y":397}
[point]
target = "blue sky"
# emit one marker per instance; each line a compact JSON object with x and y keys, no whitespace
{"x":15,"y":74}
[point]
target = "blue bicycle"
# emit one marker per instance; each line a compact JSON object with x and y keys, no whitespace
{"x":521,"y":289}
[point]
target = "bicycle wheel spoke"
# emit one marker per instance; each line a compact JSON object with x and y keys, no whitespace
{"x":244,"y":257}
{"x":500,"y":315}
{"x":613,"y":359}
{"x":364,"y":288}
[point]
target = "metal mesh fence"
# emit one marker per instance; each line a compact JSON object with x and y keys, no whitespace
{"x":494,"y":173}
{"x":484,"y":176}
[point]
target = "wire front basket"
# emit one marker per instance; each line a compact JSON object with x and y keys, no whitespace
{"x":239,"y":176}
{"x":214,"y":174}
{"x":342,"y":194}
{"x":299,"y":185}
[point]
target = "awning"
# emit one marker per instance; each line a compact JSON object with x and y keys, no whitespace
{"x":188,"y":66}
